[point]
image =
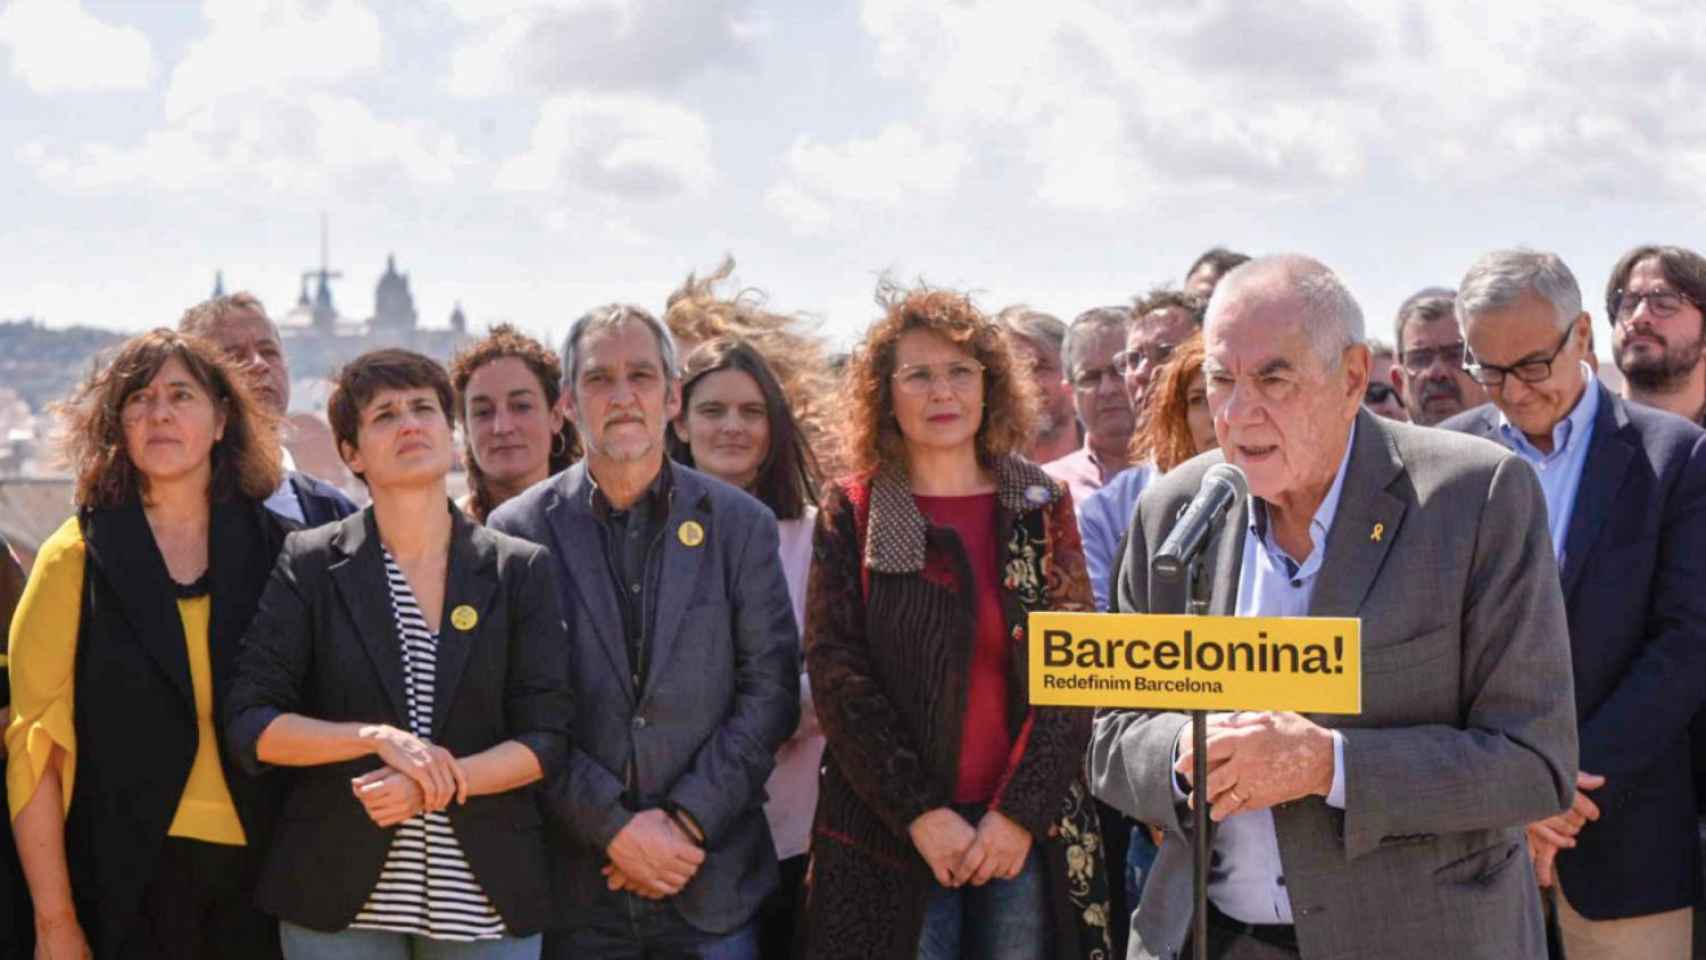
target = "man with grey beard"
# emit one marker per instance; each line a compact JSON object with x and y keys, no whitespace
{"x":1658,"y":338}
{"x":1429,"y":374}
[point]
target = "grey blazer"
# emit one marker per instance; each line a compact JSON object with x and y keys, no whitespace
{"x":1468,"y":727}
{"x":721,"y":695}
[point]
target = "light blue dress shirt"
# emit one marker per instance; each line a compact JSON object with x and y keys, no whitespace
{"x":1103,"y":518}
{"x":1247,"y":879}
{"x":1560,"y":471}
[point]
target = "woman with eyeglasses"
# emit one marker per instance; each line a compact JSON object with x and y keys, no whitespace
{"x":139,"y":836}
{"x":953,"y":818}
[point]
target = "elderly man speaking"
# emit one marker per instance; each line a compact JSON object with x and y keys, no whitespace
{"x":1397,"y":833}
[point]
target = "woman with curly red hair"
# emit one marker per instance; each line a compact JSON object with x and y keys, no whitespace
{"x":953,"y":819}
{"x":514,"y":433}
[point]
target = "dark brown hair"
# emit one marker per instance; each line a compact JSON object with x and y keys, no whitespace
{"x":1222,"y":259}
{"x":503,"y":341}
{"x":1164,"y":439}
{"x":1682,"y":268}
{"x":245,"y":459}
{"x":787,"y":479}
{"x":363,"y":378}
{"x":873,"y":437}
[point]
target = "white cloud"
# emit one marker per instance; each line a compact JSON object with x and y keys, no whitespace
{"x":563,"y":46}
{"x":57,"y":47}
{"x":623,"y":145}
{"x":273,"y":47}
{"x":883,"y":172}
{"x":316,"y":145}
{"x":1112,"y":103}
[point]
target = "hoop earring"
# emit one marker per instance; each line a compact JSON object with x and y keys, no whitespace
{"x":559,"y":445}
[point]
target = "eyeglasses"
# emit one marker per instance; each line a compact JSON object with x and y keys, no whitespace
{"x":1126,"y":361}
{"x":1528,"y":371}
{"x":917,"y":378}
{"x":1088,"y":380}
{"x":1660,"y":303}
{"x":1378,"y":393}
{"x":1418,"y":361}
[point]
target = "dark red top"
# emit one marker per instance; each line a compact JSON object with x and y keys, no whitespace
{"x":984,"y":743}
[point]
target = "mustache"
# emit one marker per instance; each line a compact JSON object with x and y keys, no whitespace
{"x":1441,"y":389}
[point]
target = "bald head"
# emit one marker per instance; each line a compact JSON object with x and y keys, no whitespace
{"x":1298,"y":287}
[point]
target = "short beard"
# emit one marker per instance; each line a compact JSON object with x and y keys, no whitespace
{"x":1664,"y":373}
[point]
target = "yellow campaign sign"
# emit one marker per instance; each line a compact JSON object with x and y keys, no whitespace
{"x":1174,"y":662}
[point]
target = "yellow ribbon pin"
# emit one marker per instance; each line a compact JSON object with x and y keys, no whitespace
{"x":463,"y":618}
{"x":1379,"y":529}
{"x":691,"y":534}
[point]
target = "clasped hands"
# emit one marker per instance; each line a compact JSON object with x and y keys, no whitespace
{"x":961,"y":855}
{"x":1547,"y":837}
{"x":417,"y":777}
{"x":1258,"y":760}
{"x":653,"y":856}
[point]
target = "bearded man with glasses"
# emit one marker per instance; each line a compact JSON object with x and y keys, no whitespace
{"x":1625,"y":489}
{"x":1658,"y":337}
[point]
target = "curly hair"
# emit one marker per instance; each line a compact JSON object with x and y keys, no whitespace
{"x":872,"y":437}
{"x":1164,"y":438}
{"x":246,"y":460}
{"x":499,"y":342}
{"x":788,"y":478}
{"x":790,"y":344}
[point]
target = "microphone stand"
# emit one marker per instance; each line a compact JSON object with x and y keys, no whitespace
{"x":1196,"y":605}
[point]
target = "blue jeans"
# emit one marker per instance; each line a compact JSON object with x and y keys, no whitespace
{"x":301,"y":943}
{"x":623,"y":926}
{"x":1139,"y":859}
{"x":1001,"y":920}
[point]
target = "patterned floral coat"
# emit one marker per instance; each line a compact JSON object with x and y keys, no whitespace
{"x":890,"y":628}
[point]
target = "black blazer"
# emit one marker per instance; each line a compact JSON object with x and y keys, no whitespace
{"x":324,"y":645}
{"x":135,"y":712}
{"x":721,"y":695}
{"x":1634,"y":581}
{"x":321,"y":502}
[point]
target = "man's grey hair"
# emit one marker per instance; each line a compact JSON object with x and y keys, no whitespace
{"x":1500,"y":279}
{"x":1380,"y":348}
{"x":1331,"y":316}
{"x":1424,"y":306}
{"x":1086,"y":325}
{"x":612,"y":316}
{"x":1034,"y":325}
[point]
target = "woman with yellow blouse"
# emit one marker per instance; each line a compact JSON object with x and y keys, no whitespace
{"x":136,"y":836}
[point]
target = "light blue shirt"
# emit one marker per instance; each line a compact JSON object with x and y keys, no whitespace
{"x":1103,"y":518}
{"x":1247,"y":881}
{"x":1560,"y":471}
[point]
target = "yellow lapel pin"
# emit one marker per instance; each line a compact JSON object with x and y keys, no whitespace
{"x":691,"y":534}
{"x":1377,"y":532}
{"x":463,"y":618}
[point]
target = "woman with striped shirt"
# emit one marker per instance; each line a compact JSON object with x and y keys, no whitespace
{"x":414,"y":666}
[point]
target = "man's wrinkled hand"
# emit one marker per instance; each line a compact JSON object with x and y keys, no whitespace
{"x":1260,"y":760}
{"x":652,"y":856}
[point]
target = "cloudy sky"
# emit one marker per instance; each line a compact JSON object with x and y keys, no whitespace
{"x":531,"y":159}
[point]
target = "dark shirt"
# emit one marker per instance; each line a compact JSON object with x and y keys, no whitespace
{"x":633,"y":541}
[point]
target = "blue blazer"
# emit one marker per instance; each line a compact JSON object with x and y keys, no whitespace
{"x":1634,"y":581}
{"x":321,"y":502}
{"x":721,"y":695}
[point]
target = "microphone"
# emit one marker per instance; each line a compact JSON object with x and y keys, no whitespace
{"x":1222,"y":486}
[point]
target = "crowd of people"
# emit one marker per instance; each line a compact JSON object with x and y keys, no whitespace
{"x":724,"y":653}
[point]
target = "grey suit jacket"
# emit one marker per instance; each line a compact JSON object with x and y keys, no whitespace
{"x":721,"y":695}
{"x":1468,"y":726}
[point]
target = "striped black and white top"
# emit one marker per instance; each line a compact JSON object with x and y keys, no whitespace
{"x":426,"y":887}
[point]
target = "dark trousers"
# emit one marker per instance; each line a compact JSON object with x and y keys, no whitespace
{"x":779,"y":914}
{"x":198,"y":906}
{"x":625,"y":926}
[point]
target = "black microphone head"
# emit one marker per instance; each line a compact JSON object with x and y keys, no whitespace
{"x":1227,"y":473}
